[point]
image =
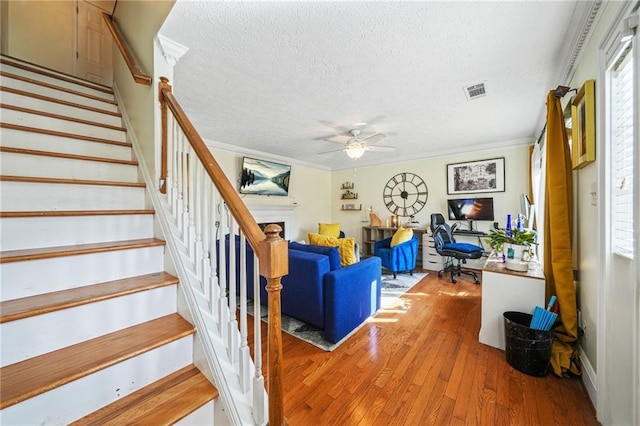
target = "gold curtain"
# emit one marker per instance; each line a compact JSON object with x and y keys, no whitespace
{"x":558,"y":268}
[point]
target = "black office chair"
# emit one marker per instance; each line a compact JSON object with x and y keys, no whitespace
{"x":447,"y":246}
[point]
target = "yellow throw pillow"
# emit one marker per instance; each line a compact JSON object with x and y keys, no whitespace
{"x":346,"y":246}
{"x":329,"y":229}
{"x":402,"y":235}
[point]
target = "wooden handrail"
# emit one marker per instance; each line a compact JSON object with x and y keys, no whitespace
{"x":272,"y":250}
{"x":238,"y":209}
{"x":136,"y":70}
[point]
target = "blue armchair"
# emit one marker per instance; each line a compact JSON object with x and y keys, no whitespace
{"x":401,"y":257}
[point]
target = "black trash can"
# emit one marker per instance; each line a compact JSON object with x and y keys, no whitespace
{"x":526,"y":349}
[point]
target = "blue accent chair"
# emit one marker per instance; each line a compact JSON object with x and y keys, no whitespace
{"x":397,"y":258}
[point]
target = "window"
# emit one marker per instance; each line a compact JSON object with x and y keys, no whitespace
{"x":621,"y":134}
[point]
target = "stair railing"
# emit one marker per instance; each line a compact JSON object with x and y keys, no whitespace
{"x":133,"y":64}
{"x":206,"y":208}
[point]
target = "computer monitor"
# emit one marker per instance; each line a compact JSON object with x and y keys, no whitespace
{"x":470,"y":209}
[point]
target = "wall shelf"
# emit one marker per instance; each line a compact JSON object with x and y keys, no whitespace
{"x":351,"y":207}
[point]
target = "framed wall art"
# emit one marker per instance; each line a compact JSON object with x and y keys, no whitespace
{"x":476,"y":176}
{"x":583,"y":123}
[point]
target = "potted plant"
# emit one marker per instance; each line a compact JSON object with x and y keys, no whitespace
{"x":515,"y":248}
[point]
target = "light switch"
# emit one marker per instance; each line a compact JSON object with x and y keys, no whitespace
{"x":594,"y":194}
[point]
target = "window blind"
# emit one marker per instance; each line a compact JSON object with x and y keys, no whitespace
{"x":622,"y":152}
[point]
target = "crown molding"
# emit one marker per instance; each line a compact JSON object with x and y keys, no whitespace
{"x":584,"y":20}
{"x":171,"y":50}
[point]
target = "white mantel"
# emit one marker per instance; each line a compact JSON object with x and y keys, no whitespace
{"x":270,"y":213}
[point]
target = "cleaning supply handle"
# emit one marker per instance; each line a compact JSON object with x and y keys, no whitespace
{"x":551,"y":302}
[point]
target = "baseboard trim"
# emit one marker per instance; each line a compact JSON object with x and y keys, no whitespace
{"x":589,"y":377}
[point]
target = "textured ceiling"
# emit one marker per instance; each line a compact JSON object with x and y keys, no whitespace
{"x":279,"y":77}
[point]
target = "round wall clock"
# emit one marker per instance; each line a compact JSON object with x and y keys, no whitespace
{"x":405,"y":194}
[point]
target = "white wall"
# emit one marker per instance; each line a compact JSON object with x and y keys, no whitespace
{"x":41,"y":32}
{"x":370,"y":181}
{"x":586,"y":249}
{"x":139,"y":100}
{"x":605,"y":295}
{"x":309,"y":191}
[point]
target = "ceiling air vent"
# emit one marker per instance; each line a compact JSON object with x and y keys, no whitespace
{"x":475,"y":91}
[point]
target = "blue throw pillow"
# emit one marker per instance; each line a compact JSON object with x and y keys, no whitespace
{"x":332,"y":252}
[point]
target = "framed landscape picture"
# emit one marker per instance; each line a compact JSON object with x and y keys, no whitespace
{"x":583,"y":122}
{"x":476,"y":176}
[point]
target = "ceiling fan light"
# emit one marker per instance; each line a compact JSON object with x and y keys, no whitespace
{"x":355,"y":151}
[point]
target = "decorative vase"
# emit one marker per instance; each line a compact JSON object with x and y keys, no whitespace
{"x":517,"y":257}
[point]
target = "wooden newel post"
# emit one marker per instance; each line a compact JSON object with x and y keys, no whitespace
{"x":163,"y":85}
{"x":274,"y":264}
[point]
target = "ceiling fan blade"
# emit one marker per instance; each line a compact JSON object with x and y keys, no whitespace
{"x":329,"y":152}
{"x":373,"y":139}
{"x":337,"y":142}
{"x":381,"y":148}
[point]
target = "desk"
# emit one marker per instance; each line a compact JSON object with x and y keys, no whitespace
{"x":505,"y":290}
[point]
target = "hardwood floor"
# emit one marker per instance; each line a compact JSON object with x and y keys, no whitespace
{"x":420,"y":363}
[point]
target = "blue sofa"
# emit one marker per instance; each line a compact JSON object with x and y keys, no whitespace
{"x":320,"y":292}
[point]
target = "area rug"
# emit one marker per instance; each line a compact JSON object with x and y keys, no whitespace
{"x":392,"y":289}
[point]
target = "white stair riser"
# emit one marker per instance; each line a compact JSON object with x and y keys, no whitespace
{"x":49,"y":80}
{"x":60,"y":109}
{"x":43,"y":142}
{"x":65,"y":168}
{"x":201,"y":416}
{"x":56,"y":330}
{"x":28,"y":278}
{"x":58,"y":125}
{"x":26,"y":196}
{"x":58,"y":94}
{"x":77,"y":399}
{"x":49,"y":231}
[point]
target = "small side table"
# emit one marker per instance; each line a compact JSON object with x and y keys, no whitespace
{"x":505,"y":290}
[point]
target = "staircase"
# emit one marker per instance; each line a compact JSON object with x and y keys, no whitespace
{"x":89,"y":326}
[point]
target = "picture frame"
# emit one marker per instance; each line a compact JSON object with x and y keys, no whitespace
{"x":583,"y":124}
{"x":475,"y":177}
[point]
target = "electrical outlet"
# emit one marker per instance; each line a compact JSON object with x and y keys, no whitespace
{"x":217,"y":224}
{"x":581,"y":323}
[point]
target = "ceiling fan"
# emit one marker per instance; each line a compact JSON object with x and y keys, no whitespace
{"x":355,"y":147}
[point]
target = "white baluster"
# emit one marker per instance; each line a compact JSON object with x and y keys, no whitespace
{"x":232,"y":325}
{"x":259,"y":395}
{"x":244,"y":355}
{"x":214,"y":286}
{"x":223,"y":306}
{"x":184,"y":159}
{"x":171,"y":124}
{"x":192,"y":160}
{"x":198,"y":218}
{"x":179,"y":179}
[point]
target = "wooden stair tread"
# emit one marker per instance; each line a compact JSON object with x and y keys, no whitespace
{"x":63,"y":134}
{"x":57,"y":75}
{"x":73,"y":250}
{"x":58,"y":101}
{"x":35,"y":179}
{"x":71,"y":213}
{"x":67,"y":156}
{"x":62,"y":117}
{"x":25,"y":307}
{"x":161,"y":403}
{"x":5,"y":74}
{"x":34,"y":376}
